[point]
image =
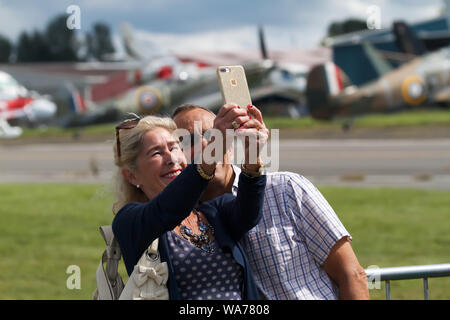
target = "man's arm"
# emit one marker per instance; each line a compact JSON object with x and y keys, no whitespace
{"x":327,"y":239}
{"x":343,"y":268}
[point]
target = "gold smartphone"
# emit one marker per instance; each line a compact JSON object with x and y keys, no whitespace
{"x":233,"y":85}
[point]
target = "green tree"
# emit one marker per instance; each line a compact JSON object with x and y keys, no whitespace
{"x":5,"y":49}
{"x":24,"y":51}
{"x":60,"y":39}
{"x":40,"y":49}
{"x":58,"y":43}
{"x":99,"y":41}
{"x":346,"y":26}
{"x":33,"y":47}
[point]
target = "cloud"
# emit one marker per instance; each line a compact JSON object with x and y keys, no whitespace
{"x":14,"y":21}
{"x":287,"y":22}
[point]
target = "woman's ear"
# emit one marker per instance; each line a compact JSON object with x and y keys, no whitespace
{"x":129,"y":176}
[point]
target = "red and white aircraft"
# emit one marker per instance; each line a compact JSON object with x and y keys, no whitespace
{"x":16,"y":102}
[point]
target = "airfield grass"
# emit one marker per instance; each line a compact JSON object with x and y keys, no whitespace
{"x":415,"y":118}
{"x":412,"y":118}
{"x":48,"y":227}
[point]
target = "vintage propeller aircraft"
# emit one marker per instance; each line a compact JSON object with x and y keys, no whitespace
{"x":164,"y":82}
{"x":422,"y":80}
{"x":19,"y":105}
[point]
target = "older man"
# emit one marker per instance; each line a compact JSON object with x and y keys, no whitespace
{"x":299,"y":249}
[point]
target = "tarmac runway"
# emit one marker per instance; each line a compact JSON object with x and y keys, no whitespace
{"x":394,"y":163}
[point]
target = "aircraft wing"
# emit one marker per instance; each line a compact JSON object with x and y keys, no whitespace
{"x":442,"y":95}
{"x":213,"y":101}
{"x":273,"y":91}
{"x":12,"y":114}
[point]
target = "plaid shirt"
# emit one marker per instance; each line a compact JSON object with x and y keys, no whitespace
{"x":288,"y":246}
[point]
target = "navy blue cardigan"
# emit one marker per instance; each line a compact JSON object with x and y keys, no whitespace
{"x":136,"y":225}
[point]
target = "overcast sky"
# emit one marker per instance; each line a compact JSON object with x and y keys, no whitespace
{"x":288,"y":23}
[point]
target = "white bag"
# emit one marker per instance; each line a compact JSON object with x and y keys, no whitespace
{"x":148,"y":280}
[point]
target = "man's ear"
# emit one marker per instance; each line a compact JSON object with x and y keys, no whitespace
{"x":129,"y":176}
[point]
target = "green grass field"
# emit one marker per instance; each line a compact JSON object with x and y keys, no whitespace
{"x":47,"y":228}
{"x":424,"y":117}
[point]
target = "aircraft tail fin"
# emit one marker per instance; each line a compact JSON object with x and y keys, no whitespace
{"x":129,"y":42}
{"x":324,"y":82}
{"x":140,"y":45}
{"x":77,"y":102}
{"x":406,"y":39}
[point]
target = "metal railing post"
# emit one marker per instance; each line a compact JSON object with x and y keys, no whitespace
{"x":388,"y":290}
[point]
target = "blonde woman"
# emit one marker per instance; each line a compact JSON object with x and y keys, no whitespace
{"x":158,"y":197}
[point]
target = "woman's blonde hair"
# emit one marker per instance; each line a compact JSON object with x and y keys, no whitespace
{"x":130,"y":148}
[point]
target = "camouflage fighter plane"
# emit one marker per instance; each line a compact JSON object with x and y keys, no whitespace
{"x":169,"y":82}
{"x":421,"y":81}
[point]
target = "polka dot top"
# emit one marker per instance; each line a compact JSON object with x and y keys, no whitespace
{"x":201,"y":275}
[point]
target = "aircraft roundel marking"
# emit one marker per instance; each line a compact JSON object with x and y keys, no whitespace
{"x":149,"y":99}
{"x":413,"y":90}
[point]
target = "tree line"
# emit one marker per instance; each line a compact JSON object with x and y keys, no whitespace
{"x":58,"y":43}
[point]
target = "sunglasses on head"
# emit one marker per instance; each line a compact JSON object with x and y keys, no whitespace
{"x":127,"y":124}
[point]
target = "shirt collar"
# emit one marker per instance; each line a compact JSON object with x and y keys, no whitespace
{"x":237,"y":172}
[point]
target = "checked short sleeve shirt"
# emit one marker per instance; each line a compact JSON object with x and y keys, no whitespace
{"x":294,"y":237}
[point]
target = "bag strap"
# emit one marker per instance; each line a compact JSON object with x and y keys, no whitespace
{"x":109,"y":281}
{"x":153,"y":247}
{"x":113,"y":253}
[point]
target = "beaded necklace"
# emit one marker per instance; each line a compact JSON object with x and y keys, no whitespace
{"x":202,"y":240}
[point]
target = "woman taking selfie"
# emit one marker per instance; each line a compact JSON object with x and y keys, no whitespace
{"x":158,"y":197}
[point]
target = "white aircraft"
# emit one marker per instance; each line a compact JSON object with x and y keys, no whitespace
{"x":18,"y":103}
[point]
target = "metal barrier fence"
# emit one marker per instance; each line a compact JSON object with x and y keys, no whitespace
{"x":408,"y":272}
